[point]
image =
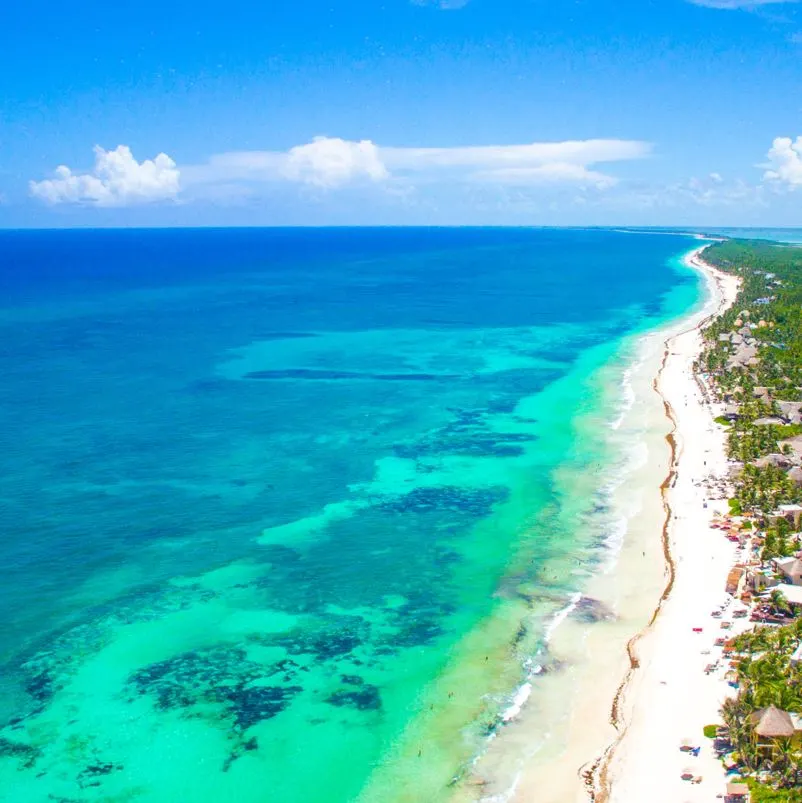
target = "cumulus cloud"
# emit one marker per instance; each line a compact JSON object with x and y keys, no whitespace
{"x":117,"y":179}
{"x":330,"y":163}
{"x":731,"y":5}
{"x":785,"y":162}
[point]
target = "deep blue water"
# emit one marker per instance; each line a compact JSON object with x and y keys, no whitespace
{"x":250,"y":478}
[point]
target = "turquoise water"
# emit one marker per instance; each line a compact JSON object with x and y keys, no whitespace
{"x":282,"y":509}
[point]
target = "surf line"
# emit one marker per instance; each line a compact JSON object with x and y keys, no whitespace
{"x":596,"y":776}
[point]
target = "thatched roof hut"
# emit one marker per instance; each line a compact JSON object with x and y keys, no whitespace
{"x":736,"y":792}
{"x":795,"y":445}
{"x":779,"y":460}
{"x":731,"y":411}
{"x":769,"y":421}
{"x":772,"y":722}
{"x":791,"y":411}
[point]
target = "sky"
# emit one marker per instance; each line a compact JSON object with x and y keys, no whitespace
{"x":401,"y":112}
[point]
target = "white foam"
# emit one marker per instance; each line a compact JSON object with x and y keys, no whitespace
{"x":627,"y":396}
{"x":518,"y":701}
{"x":524,"y":691}
{"x":561,"y":616}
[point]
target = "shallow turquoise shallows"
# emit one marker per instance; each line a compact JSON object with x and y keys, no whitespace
{"x":280,"y":519}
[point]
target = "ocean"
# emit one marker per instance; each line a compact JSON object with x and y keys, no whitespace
{"x":288,"y":514}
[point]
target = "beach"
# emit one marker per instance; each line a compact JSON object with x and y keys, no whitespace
{"x":635,"y":680}
{"x":669,"y":698}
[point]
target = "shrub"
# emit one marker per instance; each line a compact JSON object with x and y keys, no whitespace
{"x":710,"y":731}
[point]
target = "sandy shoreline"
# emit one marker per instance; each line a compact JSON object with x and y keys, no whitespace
{"x":621,"y":729}
{"x":667,"y":697}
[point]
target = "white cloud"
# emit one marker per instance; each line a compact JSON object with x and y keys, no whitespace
{"x":333,"y":162}
{"x":554,"y":173}
{"x":576,"y":152}
{"x":116,"y":180}
{"x":785,"y":162}
{"x":730,"y":5}
{"x":329,"y":163}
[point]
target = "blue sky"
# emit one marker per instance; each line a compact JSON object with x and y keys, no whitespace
{"x":545,"y":112}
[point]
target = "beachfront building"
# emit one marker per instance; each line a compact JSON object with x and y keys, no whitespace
{"x":791,"y":513}
{"x":793,"y":594}
{"x":737,"y":793}
{"x":759,"y":578}
{"x":731,"y":412}
{"x":790,"y":569}
{"x":774,"y":727}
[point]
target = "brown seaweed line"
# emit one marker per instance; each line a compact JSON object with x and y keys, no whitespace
{"x":596,"y":776}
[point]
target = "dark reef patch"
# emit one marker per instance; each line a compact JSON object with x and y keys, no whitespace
{"x":26,"y":754}
{"x":255,"y":704}
{"x":221,"y":675}
{"x":92,"y":774}
{"x":40,"y":686}
{"x":323,"y":645}
{"x":417,"y":634}
{"x":467,"y":435}
{"x":242,"y":747}
{"x":476,"y":503}
{"x":320,"y":373}
{"x":364,"y":698}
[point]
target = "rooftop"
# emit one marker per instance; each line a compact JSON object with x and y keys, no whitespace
{"x":772,"y":722}
{"x":792,"y":593}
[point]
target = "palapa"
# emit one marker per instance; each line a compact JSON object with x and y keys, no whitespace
{"x":737,"y":790}
{"x":772,"y":722}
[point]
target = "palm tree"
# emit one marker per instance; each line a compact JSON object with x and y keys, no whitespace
{"x":778,"y":601}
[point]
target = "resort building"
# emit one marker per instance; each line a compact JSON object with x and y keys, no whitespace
{"x":758,"y":578}
{"x":790,"y":568}
{"x":791,"y":411}
{"x":772,"y":725}
{"x":769,"y":421}
{"x":737,"y":793}
{"x":791,"y":513}
{"x":793,"y":594}
{"x":775,"y":459}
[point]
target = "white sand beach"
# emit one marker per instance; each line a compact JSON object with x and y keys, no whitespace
{"x":637,"y":684}
{"x":669,"y":698}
